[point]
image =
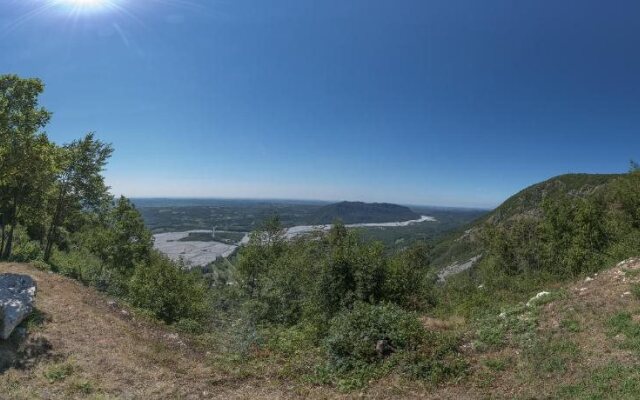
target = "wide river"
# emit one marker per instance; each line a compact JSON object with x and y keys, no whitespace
{"x":202,"y":253}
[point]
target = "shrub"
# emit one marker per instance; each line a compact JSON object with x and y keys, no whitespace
{"x":188,"y":325}
{"x":25,"y":249}
{"x":353,"y":340}
{"x":58,"y":372}
{"x":354,"y":334}
{"x":409,"y":282}
{"x":165,"y":289}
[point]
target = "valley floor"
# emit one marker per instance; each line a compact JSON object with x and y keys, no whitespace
{"x":584,"y":342}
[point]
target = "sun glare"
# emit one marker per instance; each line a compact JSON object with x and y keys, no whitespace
{"x":80,"y":6}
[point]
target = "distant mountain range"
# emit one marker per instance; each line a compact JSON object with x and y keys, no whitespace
{"x":356,"y":212}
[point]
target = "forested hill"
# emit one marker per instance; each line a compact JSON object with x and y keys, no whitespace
{"x":359,"y":212}
{"x":564,"y":197}
{"x":529,"y":200}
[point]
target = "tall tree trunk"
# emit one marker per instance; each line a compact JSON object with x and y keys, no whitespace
{"x":12,"y":220}
{"x":55,"y":222}
{"x":2,"y":236}
{"x":9,"y":244}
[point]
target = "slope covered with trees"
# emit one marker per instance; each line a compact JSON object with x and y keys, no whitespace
{"x":528,"y":204}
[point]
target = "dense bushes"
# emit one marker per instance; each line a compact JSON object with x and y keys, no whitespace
{"x":371,"y":340}
{"x":369,"y":333}
{"x":167,"y":291}
{"x":25,"y":249}
{"x":336,"y":293}
{"x":314,"y":278}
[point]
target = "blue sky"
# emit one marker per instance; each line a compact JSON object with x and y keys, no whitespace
{"x":458,"y":103}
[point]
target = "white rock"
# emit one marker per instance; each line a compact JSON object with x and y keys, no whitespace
{"x":17,"y":295}
{"x":536,"y":297}
{"x":588,"y":279}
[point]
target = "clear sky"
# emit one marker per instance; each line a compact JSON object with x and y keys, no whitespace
{"x":448,"y":102}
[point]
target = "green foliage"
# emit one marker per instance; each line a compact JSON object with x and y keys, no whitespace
{"x":80,"y":185}
{"x":409,"y":281}
{"x":574,"y":235}
{"x":169,"y":292}
{"x":350,"y":272}
{"x":611,"y":381}
{"x":263,"y":249}
{"x":497,"y":364}
{"x":353,"y":334}
{"x":315,"y":278}
{"x":80,"y":263}
{"x":515,"y":248}
{"x":549,"y":355}
{"x":191,"y":326}
{"x":516,"y":325}
{"x":295,"y":339}
{"x":123,"y":241}
{"x":58,"y":372}
{"x":635,"y":290}
{"x":25,"y":249}
{"x":623,"y":324}
{"x":529,"y":200}
{"x":27,"y":157}
{"x":571,"y":325}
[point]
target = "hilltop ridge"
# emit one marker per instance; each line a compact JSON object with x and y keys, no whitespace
{"x":356,"y":212}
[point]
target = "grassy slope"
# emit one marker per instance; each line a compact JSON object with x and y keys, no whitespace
{"x":98,"y":351}
{"x":583,"y":340}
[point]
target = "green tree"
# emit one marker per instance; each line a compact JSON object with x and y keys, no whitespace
{"x":167,"y":290}
{"x":80,"y":184}
{"x":409,"y":282}
{"x":26,"y":155}
{"x":349,"y":271}
{"x":120,"y":239}
{"x":265,"y":246}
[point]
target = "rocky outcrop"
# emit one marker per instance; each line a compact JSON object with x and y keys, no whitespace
{"x":457,"y":268}
{"x":17,"y":297}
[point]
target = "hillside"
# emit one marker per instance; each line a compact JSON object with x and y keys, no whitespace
{"x":529,"y":200}
{"x":82,"y":344}
{"x":358,"y":212}
{"x":579,"y":340}
{"x":463,"y":244}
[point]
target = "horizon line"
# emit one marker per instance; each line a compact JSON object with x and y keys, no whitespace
{"x":272,"y":199}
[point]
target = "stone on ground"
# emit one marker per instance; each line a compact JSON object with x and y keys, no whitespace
{"x":17,"y":297}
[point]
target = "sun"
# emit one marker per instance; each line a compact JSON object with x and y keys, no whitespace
{"x":85,"y":6}
{"x":81,"y":3}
